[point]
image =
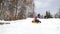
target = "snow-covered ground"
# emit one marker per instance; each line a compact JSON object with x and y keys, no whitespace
{"x":47,"y":26}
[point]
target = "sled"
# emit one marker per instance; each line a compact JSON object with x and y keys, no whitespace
{"x":36,"y":22}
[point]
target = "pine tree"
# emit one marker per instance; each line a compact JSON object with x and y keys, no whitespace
{"x":48,"y":15}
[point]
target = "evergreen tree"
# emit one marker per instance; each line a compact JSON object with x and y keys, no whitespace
{"x":48,"y":15}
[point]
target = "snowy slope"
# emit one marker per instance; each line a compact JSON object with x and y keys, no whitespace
{"x":48,"y":26}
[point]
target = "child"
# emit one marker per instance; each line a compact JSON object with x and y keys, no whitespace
{"x":36,"y":20}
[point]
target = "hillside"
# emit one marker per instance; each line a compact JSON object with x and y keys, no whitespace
{"x":25,"y":26}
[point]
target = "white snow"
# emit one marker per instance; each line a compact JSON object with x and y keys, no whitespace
{"x":25,"y":26}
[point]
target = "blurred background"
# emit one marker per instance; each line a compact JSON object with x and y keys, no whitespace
{"x":22,"y":9}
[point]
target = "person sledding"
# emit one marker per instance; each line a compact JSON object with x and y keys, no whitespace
{"x":36,"y":20}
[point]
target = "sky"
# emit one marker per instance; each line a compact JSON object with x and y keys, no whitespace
{"x":41,"y":6}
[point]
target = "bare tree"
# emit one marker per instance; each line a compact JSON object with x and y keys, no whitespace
{"x":15,"y":9}
{"x":22,"y":12}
